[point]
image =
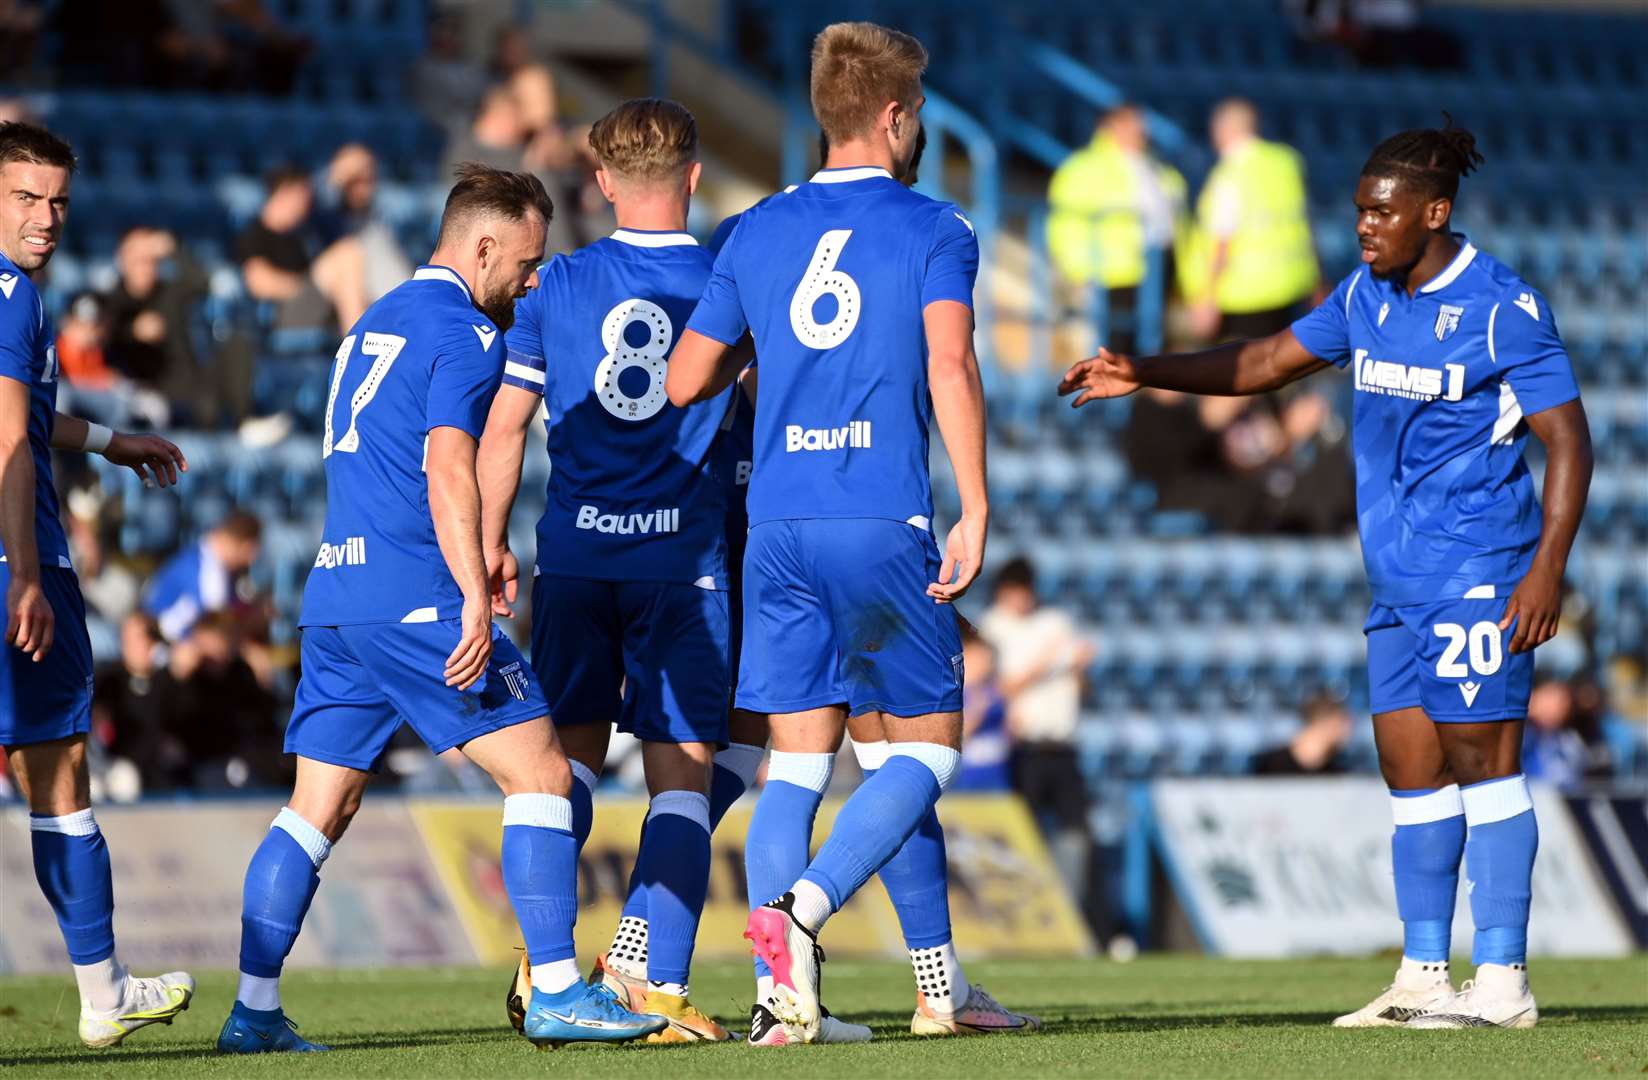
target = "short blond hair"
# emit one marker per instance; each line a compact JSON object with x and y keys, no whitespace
{"x":646,"y":139}
{"x":858,"y":67}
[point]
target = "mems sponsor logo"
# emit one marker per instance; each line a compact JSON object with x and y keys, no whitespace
{"x":1409,"y":380}
{"x":665,"y":519}
{"x":352,"y":552}
{"x":854,"y":434}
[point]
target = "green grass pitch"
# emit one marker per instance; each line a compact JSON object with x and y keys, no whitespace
{"x":1168,"y":1016}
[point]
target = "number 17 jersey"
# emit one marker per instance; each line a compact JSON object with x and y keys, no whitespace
{"x":832,"y":280}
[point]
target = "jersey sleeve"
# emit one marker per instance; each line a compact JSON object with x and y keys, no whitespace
{"x":525,"y":365}
{"x":1325,"y":332}
{"x":723,"y":232}
{"x":19,"y":330}
{"x":952,"y":265}
{"x":464,"y":381}
{"x":1525,"y":346}
{"x":720,"y":311}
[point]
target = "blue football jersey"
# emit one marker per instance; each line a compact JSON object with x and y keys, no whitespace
{"x":832,"y":279}
{"x":28,"y":353}
{"x":422,"y":357}
{"x":634,"y":493}
{"x":1444,"y":378}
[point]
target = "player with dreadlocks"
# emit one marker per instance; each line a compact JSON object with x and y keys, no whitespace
{"x":1455,"y":358}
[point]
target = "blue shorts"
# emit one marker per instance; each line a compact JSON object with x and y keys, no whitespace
{"x":649,"y":656}
{"x":1448,"y":658}
{"x":360,"y":682}
{"x":51,"y":699}
{"x":836,"y":611}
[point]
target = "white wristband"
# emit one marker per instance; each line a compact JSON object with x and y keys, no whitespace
{"x":98,"y":438}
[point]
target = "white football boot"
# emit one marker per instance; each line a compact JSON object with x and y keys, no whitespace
{"x":155,"y":1000}
{"x":1497,"y":997}
{"x":1419,"y":988}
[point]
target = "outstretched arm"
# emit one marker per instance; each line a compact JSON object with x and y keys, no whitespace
{"x":701,"y":367}
{"x":958,"y":406}
{"x":1234,"y":370}
{"x":159,"y":456}
{"x":1536,"y":605}
{"x":498,"y":472}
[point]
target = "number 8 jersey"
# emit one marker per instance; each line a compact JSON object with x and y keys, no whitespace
{"x":832,"y":280}
{"x":422,"y":357}
{"x":633,"y":494}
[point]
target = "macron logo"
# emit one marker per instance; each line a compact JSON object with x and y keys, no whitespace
{"x":486,"y":334}
{"x":1525,"y":302}
{"x":8,"y":282}
{"x":352,"y":552}
{"x":663,"y":520}
{"x":856,"y":434}
{"x":1469,"y":691}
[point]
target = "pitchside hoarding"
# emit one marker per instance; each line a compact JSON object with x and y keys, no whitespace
{"x":1293,"y":867}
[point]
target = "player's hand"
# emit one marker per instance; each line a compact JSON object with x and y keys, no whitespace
{"x":503,"y":573}
{"x":138,"y":452}
{"x":29,"y":619}
{"x":1535,"y":608}
{"x":963,"y":556}
{"x":1107,"y":375}
{"x":468,"y":661}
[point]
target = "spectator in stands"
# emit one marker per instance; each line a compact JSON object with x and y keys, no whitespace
{"x":274,"y":252}
{"x":20,"y":25}
{"x":1112,"y":203}
{"x":204,"y":578}
{"x":150,"y":312}
{"x":497,"y":135}
{"x":1260,"y":266}
{"x":132,"y":700}
{"x":1176,"y":443}
{"x":95,"y":389}
{"x":1318,"y":747}
{"x":219,"y":711}
{"x":347,"y":210}
{"x":511,"y":51}
{"x":560,"y":155}
{"x":986,"y":751}
{"x":446,"y":84}
{"x":1041,"y":657}
{"x":110,"y":588}
{"x":1555,"y":750}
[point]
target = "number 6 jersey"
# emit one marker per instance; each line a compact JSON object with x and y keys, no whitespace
{"x":832,"y":280}
{"x":633,"y":494}
{"x":420,"y":358}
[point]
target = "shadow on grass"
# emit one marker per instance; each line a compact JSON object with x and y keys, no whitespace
{"x":55,"y":1056}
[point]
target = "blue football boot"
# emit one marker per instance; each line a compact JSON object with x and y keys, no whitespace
{"x":259,"y":1031}
{"x":584,"y":1013}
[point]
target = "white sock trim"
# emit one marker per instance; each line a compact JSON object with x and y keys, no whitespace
{"x":810,"y":771}
{"x":692,"y":805}
{"x":101,"y":985}
{"x":257,"y":992}
{"x":871,"y":755}
{"x":742,"y":760}
{"x":582,"y":774}
{"x":310,"y":839}
{"x":811,"y":905}
{"x":539,"y":810}
{"x":79,"y":823}
{"x":1496,"y":800}
{"x":943,"y":761}
{"x":1438,"y":805}
{"x":555,"y":976}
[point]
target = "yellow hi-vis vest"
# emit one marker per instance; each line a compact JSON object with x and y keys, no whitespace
{"x":1269,"y":262}
{"x":1095,"y":234}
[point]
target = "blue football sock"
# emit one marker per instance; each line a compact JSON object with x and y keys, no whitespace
{"x":917,"y":882}
{"x":635,"y":899}
{"x":71,"y":863}
{"x":540,"y":866}
{"x":734,"y":772}
{"x":674,"y":865}
{"x":1426,"y":848}
{"x":582,"y":798}
{"x":781,"y":829}
{"x":879,"y":818}
{"x":280,"y":884}
{"x":1500,"y":846}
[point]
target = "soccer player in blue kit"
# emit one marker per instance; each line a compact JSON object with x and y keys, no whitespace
{"x":917,"y":876}
{"x":858,"y":293}
{"x":46,"y":672}
{"x":629,"y":596}
{"x":1455,"y":359}
{"x":397,"y":620}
